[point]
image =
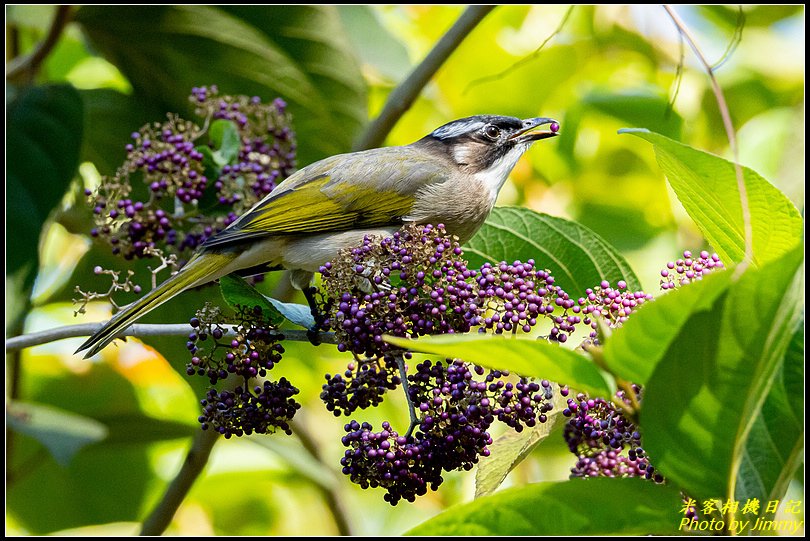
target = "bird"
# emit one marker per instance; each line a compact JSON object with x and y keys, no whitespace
{"x":452,"y":176}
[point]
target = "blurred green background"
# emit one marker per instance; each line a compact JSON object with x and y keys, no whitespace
{"x":609,"y":67}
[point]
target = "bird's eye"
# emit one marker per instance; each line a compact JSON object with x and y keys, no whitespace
{"x":492,"y":131}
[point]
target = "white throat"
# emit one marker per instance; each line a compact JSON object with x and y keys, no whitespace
{"x":496,"y":174}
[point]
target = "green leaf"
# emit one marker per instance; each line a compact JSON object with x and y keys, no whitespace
{"x":237,"y":292}
{"x":775,"y":447}
{"x":704,"y":396}
{"x":226,"y":140}
{"x":298,"y":53}
{"x":62,"y":432}
{"x":635,"y":348}
{"x":299,"y":314}
{"x":211,"y":169}
{"x":511,"y":448}
{"x":576,"y":256}
{"x":528,"y":358}
{"x":596,"y":506}
{"x":44,"y":134}
{"x":706,"y":185}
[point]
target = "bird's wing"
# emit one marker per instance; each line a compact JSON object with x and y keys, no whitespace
{"x":353,"y":191}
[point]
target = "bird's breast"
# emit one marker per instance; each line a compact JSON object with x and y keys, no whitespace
{"x":462,"y":204}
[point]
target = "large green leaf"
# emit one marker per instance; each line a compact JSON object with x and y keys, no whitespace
{"x":775,"y":446}
{"x":296,"y":52}
{"x":706,"y":185}
{"x":576,"y":256}
{"x":703,"y":398}
{"x":529,"y":358}
{"x":599,"y":506}
{"x":635,"y":348}
{"x":44,"y":134}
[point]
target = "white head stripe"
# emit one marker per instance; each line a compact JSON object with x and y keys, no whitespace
{"x":457,"y":128}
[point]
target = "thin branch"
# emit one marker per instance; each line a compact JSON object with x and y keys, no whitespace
{"x":678,"y":77}
{"x":528,"y":58}
{"x":24,"y":69}
{"x":403,"y":96}
{"x":330,"y":496}
{"x":139,"y":330}
{"x":732,"y":139}
{"x":735,"y":41}
{"x":196,"y":459}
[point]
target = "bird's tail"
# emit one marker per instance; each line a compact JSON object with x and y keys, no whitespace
{"x":199,"y":270}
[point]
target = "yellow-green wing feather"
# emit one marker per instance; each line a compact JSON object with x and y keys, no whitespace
{"x":337,"y":194}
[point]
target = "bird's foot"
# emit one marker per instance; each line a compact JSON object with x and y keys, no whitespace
{"x":313,"y":333}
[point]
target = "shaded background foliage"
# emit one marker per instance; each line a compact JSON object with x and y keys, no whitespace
{"x":114,"y":69}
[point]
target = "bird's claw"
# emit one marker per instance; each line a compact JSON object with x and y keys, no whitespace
{"x":314,"y":335}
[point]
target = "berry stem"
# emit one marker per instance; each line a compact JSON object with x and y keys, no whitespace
{"x":403,"y":375}
{"x":630,"y":411}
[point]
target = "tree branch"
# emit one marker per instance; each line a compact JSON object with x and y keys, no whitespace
{"x":139,"y":330}
{"x":403,"y":96}
{"x":196,"y":459}
{"x":730,"y":134}
{"x":24,"y":69}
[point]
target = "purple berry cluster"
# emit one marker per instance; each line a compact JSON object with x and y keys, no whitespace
{"x":455,"y":403}
{"x":689,"y":269}
{"x":252,"y":352}
{"x":249,"y":351}
{"x":487,"y":395}
{"x":173,"y":160}
{"x":267,"y":153}
{"x":612,"y":305}
{"x":242,"y":412}
{"x":362,"y":385}
{"x":400,"y":465}
{"x":416,"y":283}
{"x":605,"y":442}
{"x":514,"y":296}
{"x":413,"y":283}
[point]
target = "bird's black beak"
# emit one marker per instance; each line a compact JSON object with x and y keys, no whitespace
{"x":531,"y":132}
